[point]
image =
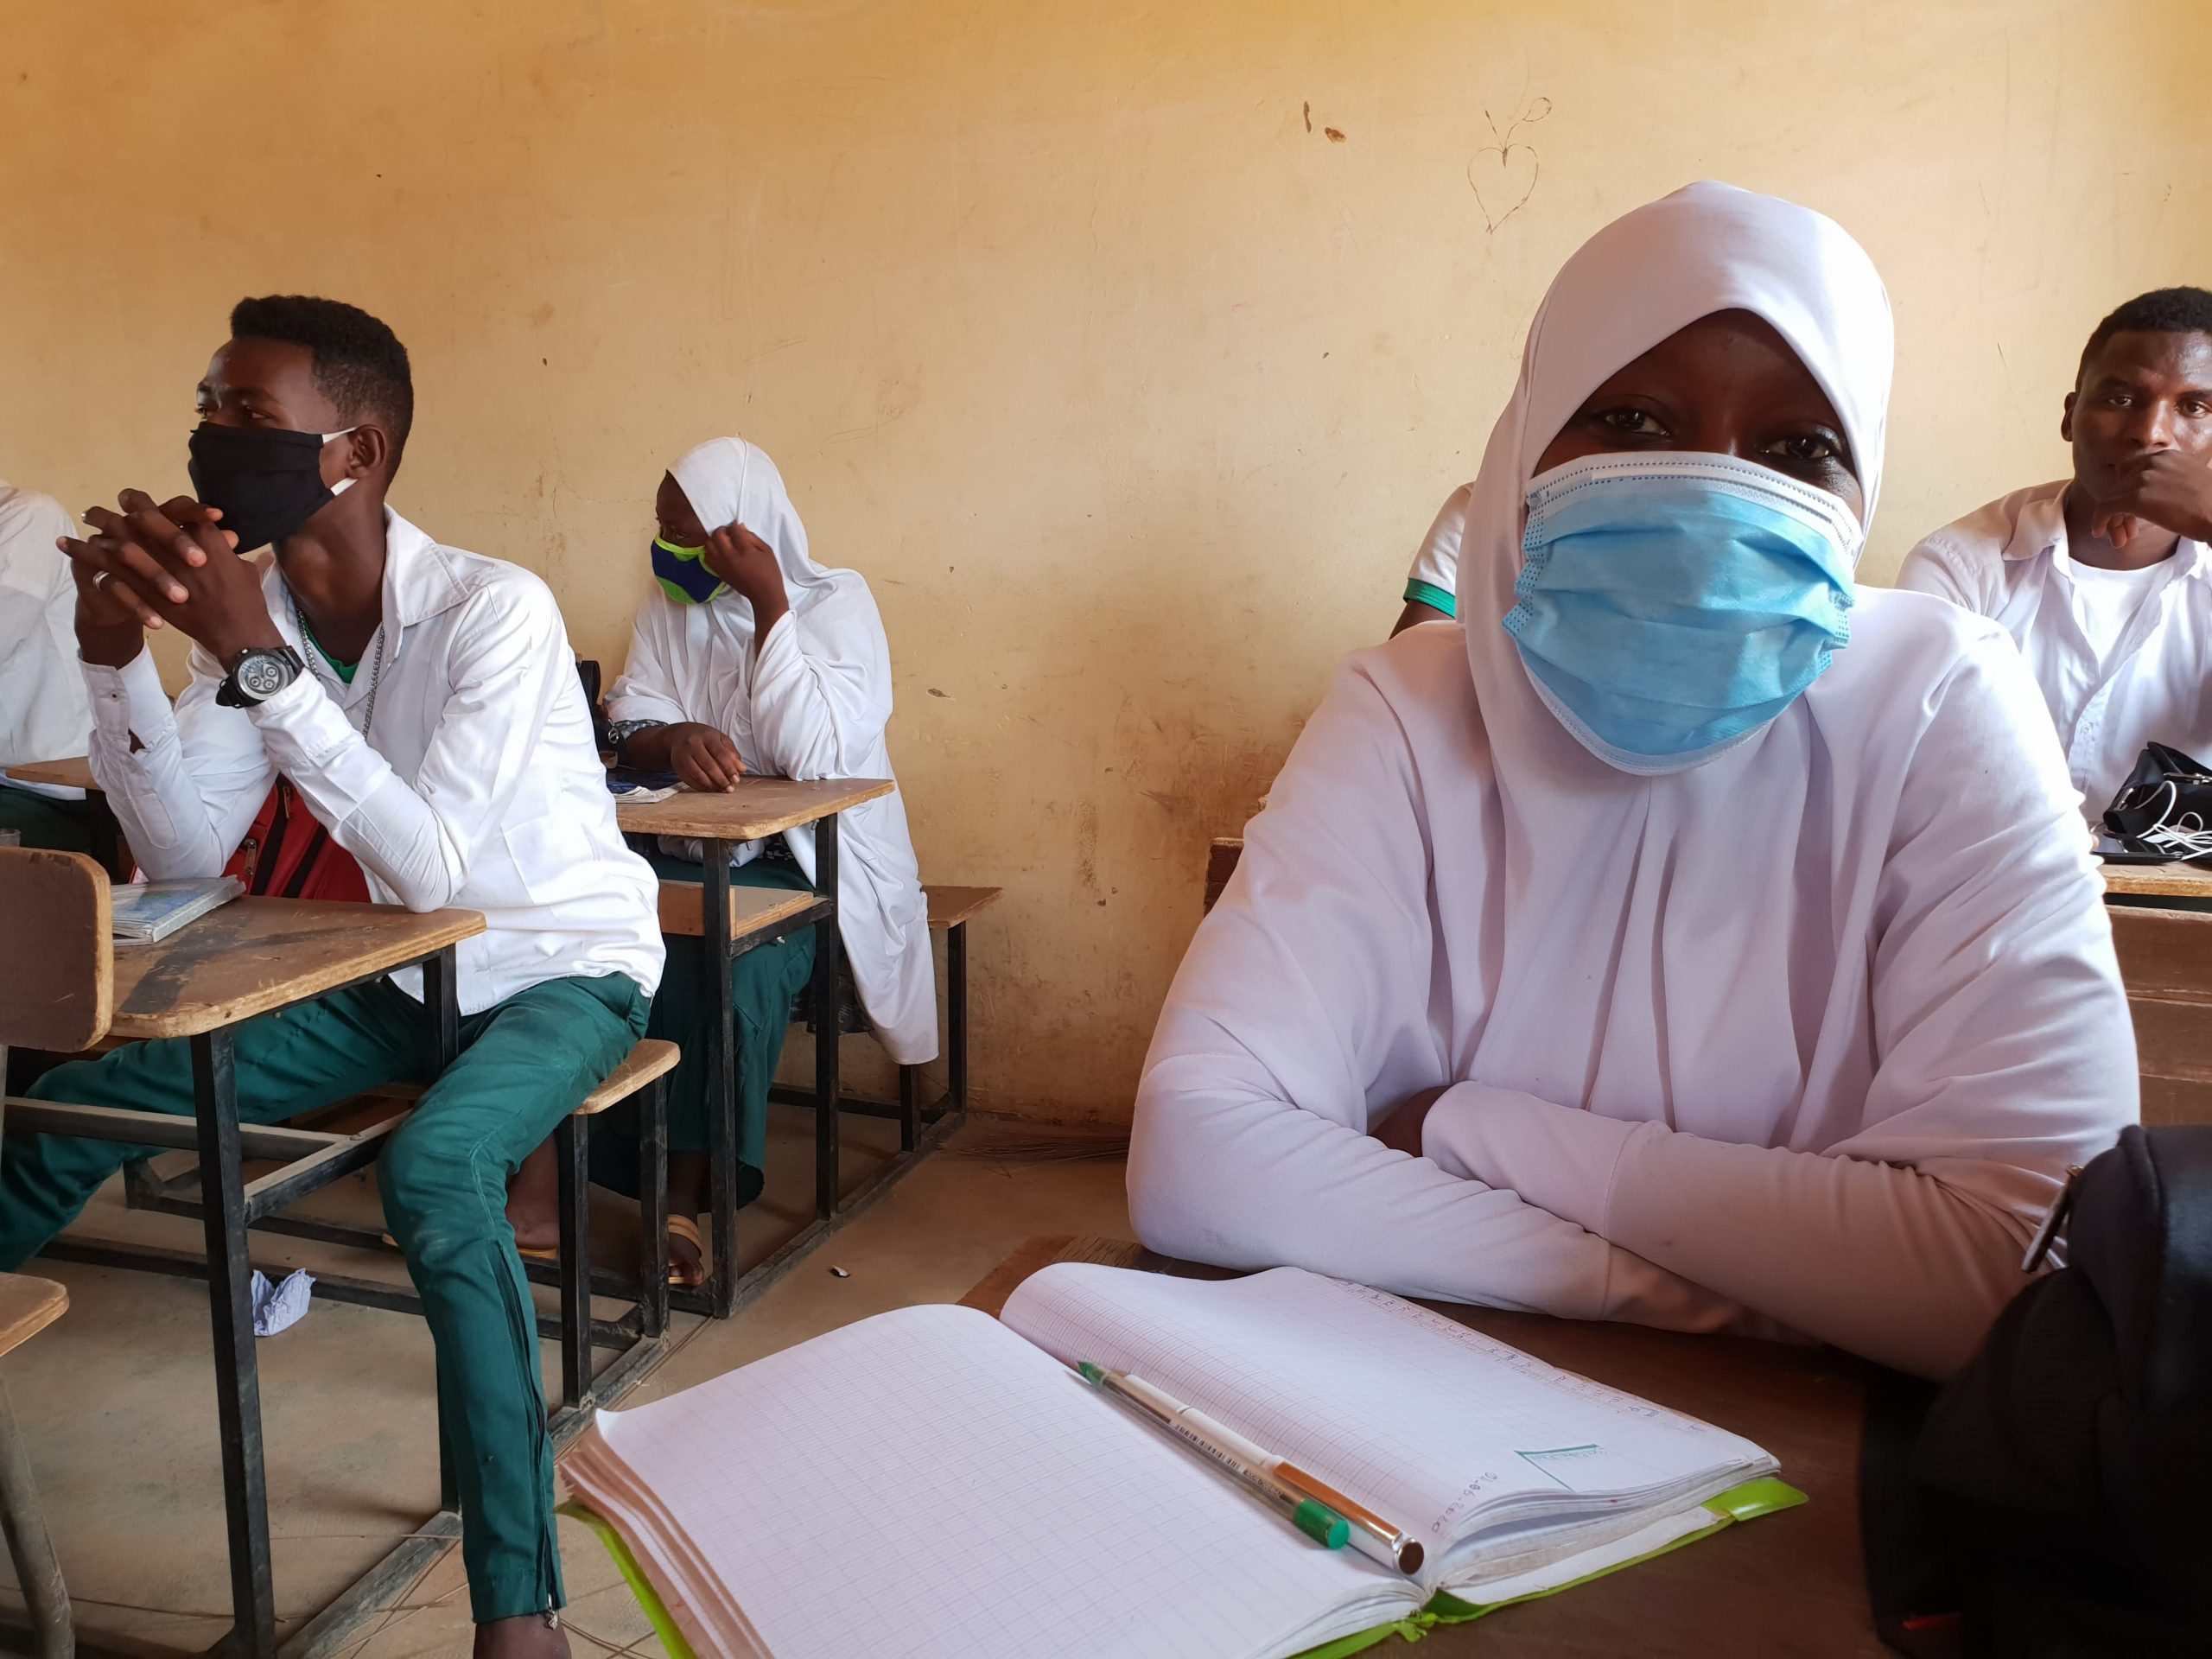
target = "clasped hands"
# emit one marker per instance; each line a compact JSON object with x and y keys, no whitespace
{"x":166,"y":565}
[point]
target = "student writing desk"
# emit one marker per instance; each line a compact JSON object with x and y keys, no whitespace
{"x":1785,"y":1584}
{"x":254,"y":956}
{"x":2158,"y":880}
{"x":754,"y":810}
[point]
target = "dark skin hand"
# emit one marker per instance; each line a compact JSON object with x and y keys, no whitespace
{"x":1727,"y":384}
{"x":171,"y":565}
{"x":2140,"y":423}
{"x":703,"y":758}
{"x":734,"y":553}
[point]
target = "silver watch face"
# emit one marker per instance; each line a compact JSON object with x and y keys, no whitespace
{"x":263,"y":674}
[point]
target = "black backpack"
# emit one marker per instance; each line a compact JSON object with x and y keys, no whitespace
{"x":2055,"y":1498}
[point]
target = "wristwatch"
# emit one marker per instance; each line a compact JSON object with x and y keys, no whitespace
{"x":258,"y":673}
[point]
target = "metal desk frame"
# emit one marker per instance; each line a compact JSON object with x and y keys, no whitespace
{"x":229,"y":1205}
{"x":726,"y":1291}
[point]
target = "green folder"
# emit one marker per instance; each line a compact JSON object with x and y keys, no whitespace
{"x":1745,"y":1502}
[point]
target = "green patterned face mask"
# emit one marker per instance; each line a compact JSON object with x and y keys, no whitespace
{"x":684,"y":575}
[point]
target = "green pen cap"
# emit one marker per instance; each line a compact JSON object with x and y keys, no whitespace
{"x":1322,"y":1524}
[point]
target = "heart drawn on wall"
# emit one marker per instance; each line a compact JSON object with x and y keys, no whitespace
{"x":1503,"y":174}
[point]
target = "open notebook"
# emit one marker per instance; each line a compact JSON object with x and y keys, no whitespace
{"x":932,"y":1481}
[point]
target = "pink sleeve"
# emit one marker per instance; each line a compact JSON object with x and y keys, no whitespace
{"x":1885,"y":1262}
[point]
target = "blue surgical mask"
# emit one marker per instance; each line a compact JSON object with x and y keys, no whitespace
{"x":1670,"y":606}
{"x":683,"y":574}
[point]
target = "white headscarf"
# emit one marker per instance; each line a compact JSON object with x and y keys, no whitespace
{"x":728,"y":481}
{"x":1707,"y":248}
{"x":812,"y":701}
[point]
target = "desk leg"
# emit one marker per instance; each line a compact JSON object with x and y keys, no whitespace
{"x":442,"y":999}
{"x":237,"y":1385}
{"x":955,"y":1014}
{"x":722,"y":1075}
{"x":105,"y":836}
{"x":827,"y":949}
{"x":652,"y":1269}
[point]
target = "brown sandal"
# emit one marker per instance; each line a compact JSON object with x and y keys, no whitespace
{"x":684,"y":1228}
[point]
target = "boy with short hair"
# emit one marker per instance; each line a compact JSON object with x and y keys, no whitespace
{"x":424,"y":703}
{"x":2103,"y":579}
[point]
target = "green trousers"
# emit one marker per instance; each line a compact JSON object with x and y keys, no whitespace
{"x":763,"y":981}
{"x":57,"y":826}
{"x":524,"y":1065}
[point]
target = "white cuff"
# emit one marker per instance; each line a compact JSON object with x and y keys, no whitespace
{"x":129,"y":696}
{"x":1559,"y":1158}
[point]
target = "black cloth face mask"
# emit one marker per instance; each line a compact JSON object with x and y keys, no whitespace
{"x":267,"y":483}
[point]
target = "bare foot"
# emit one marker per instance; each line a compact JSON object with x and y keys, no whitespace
{"x":534,"y":1205}
{"x":528,"y":1637}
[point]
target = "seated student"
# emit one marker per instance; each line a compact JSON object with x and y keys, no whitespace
{"x":1430,"y":588}
{"x":43,"y":712}
{"x":457,"y":765}
{"x":2104,"y":580}
{"x":1657,"y":968}
{"x":751,"y":657}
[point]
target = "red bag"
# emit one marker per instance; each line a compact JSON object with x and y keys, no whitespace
{"x":288,"y":854}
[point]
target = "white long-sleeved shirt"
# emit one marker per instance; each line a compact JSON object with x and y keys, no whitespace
{"x":813,"y":703}
{"x":2009,"y":561}
{"x":1815,"y":1060}
{"x":478,"y":787}
{"x":44,"y":714}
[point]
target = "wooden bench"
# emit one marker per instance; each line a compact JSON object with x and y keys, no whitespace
{"x":751,"y":910}
{"x":381,"y":1111}
{"x":951,"y":911}
{"x":26,"y":1307}
{"x":756,"y":910}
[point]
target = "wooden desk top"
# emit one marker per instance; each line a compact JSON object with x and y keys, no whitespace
{"x":26,"y":1307}
{"x":756,"y":808}
{"x":1788,"y":1583}
{"x":254,"y":955}
{"x":2158,"y":881}
{"x":74,"y":773}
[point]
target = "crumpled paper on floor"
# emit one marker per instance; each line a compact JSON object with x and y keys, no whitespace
{"x":279,"y":1307}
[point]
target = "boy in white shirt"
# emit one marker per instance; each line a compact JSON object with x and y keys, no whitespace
{"x":2103,"y":579}
{"x":457,"y":765}
{"x":43,"y":714}
{"x":1432,"y":585}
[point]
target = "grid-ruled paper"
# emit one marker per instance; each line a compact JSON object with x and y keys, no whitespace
{"x":1424,"y":1420}
{"x":925,"y":1482}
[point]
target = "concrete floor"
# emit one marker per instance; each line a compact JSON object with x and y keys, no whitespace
{"x":117,"y":1401}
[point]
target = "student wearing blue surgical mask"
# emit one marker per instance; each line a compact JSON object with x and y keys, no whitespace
{"x":1691,"y":937}
{"x":748,"y":657}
